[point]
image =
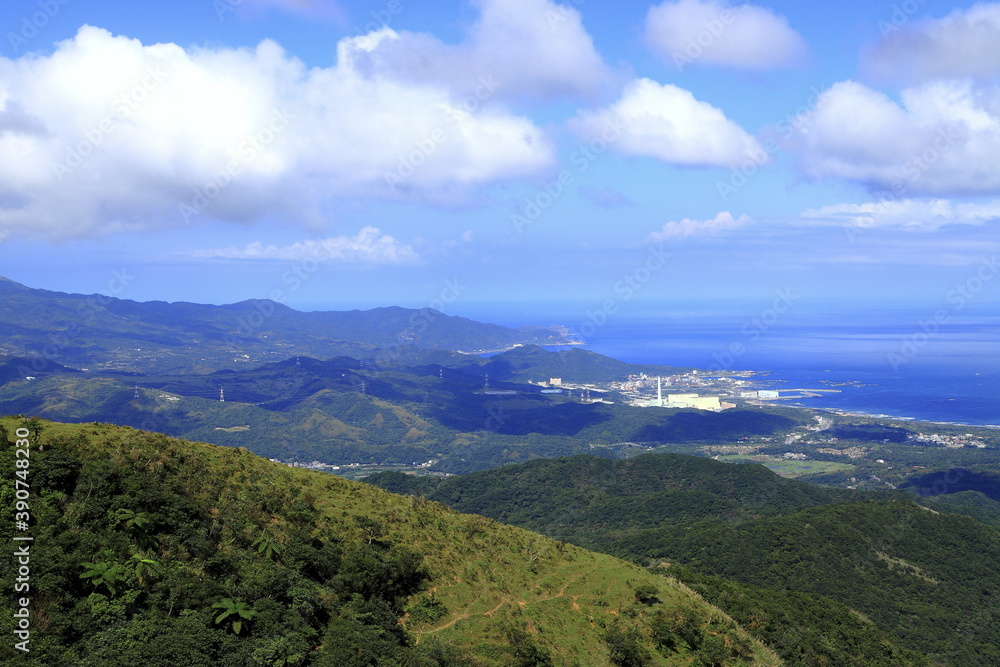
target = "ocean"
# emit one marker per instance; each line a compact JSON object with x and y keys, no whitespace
{"x":935,"y":362}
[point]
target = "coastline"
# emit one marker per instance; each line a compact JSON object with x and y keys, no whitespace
{"x":887,"y":417}
{"x":940,"y":395}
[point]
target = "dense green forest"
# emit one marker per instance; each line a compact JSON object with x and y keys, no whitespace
{"x":803,"y":628}
{"x":153,"y":551}
{"x":925,"y":578}
{"x":131,"y":565}
{"x":971,"y":503}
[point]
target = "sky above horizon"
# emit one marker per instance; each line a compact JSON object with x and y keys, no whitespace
{"x":457,"y":154}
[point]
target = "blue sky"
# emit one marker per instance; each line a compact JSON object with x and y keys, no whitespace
{"x":462,"y":154}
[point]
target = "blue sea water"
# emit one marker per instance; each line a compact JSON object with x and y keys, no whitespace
{"x":927,"y":362}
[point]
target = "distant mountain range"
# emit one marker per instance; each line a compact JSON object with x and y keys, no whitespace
{"x":379,"y":386}
{"x":98,"y":331}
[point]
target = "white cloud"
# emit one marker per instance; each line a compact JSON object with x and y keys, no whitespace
{"x":689,"y":227}
{"x":942,"y":139}
{"x":906,"y":214}
{"x":717,"y":32}
{"x":668,"y":123}
{"x":529,"y":47}
{"x":107,"y":134}
{"x":962,"y":44}
{"x":369,"y":246}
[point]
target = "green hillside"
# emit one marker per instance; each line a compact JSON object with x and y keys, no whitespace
{"x":925,"y":578}
{"x":971,"y":503}
{"x":153,"y":551}
{"x":569,"y":497}
{"x":802,"y":628}
{"x":344,"y":411}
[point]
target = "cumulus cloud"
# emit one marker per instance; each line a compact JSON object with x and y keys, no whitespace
{"x":689,"y":227}
{"x":941,"y":140}
{"x":369,"y":246}
{"x":668,"y":123}
{"x":529,"y":47}
{"x":716,"y":32}
{"x":906,"y":214}
{"x":107,"y":134}
{"x":962,"y":44}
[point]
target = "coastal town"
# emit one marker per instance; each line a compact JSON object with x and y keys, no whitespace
{"x":700,"y":390}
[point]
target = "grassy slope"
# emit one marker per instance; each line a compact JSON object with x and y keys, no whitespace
{"x":911,"y":570}
{"x":489,"y":576}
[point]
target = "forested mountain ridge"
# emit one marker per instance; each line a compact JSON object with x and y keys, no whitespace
{"x":157,"y":552}
{"x":925,"y":578}
{"x":645,"y":491}
{"x":107,"y":332}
